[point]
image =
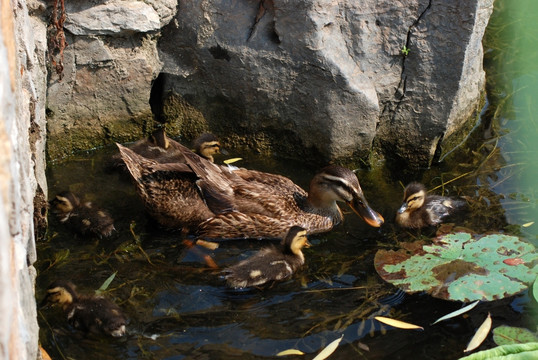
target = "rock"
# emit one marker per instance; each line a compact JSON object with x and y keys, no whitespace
{"x":104,"y":92}
{"x":316,"y":79}
{"x":331,"y":74}
{"x":118,"y":18}
{"x":22,"y":172}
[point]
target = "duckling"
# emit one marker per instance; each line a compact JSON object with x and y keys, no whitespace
{"x":90,"y":314}
{"x":270,"y":263}
{"x":82,"y":217}
{"x":207,"y":145}
{"x":215,"y":201}
{"x":421,"y":210}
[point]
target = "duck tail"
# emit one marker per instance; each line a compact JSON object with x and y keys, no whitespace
{"x":134,"y":162}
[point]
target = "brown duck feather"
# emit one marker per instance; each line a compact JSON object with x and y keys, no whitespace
{"x":217,"y":202}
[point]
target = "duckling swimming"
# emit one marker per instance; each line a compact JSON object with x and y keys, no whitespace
{"x":217,"y":202}
{"x":82,"y":217}
{"x":421,"y":210}
{"x":90,"y":314}
{"x":270,"y":263}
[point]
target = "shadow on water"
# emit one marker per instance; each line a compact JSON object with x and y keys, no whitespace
{"x":180,"y":308}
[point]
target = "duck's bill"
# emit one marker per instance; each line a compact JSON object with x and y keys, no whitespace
{"x":402,"y":208}
{"x":370,"y":216}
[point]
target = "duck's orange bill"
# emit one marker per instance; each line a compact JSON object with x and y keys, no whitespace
{"x":370,"y":216}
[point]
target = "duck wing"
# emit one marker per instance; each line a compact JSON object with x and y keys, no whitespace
{"x":168,"y":191}
{"x":279,"y":183}
{"x":214,"y":181}
{"x":440,"y":207}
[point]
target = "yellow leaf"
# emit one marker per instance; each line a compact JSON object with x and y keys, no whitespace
{"x":480,"y":335}
{"x":329,"y":349}
{"x":397,"y":323}
{"x":232,"y":160}
{"x":290,"y":352}
{"x":528,"y":224}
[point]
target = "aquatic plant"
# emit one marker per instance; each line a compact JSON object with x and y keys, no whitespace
{"x":461,"y":267}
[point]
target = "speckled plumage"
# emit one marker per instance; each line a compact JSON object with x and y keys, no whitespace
{"x":83,"y":218}
{"x":91,"y":314}
{"x":421,"y":210}
{"x":219,"y":202}
{"x":270,"y":263}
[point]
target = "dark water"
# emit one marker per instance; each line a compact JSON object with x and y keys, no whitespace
{"x":179,"y":308}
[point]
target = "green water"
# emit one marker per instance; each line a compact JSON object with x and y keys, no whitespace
{"x":513,"y":74}
{"x":179,"y":308}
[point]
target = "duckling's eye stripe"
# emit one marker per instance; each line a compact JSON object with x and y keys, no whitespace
{"x":212,"y":144}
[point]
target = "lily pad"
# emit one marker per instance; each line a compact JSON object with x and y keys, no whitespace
{"x":506,"y":335}
{"x":461,"y":267}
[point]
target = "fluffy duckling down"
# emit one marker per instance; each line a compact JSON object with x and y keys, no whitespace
{"x":421,"y":210}
{"x":83,"y":218}
{"x":207,"y":145}
{"x":90,"y":314}
{"x":270,"y":263}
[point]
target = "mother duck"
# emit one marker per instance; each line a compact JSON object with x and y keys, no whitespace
{"x":215,"y":201}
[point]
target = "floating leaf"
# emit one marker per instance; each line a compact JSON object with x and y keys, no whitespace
{"x":528,"y":224}
{"x":506,"y":335}
{"x":290,"y":352}
{"x":514,"y":261}
{"x":457,"y":312}
{"x":106,"y":284}
{"x":329,"y":349}
{"x":397,"y":323}
{"x":480,"y":335}
{"x":520,"y":352}
{"x":460,"y":267}
{"x":232,"y":160}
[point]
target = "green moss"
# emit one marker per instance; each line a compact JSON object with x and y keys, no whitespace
{"x":89,"y":135}
{"x":183,"y":119}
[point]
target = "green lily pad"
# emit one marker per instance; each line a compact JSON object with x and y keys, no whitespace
{"x":526,"y":351}
{"x":461,"y":267}
{"x":506,"y":335}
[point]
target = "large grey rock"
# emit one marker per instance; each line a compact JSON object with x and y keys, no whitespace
{"x":321,"y":77}
{"x":331,"y":73}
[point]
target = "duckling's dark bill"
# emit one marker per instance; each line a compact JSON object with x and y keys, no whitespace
{"x":370,"y":216}
{"x":402,"y":208}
